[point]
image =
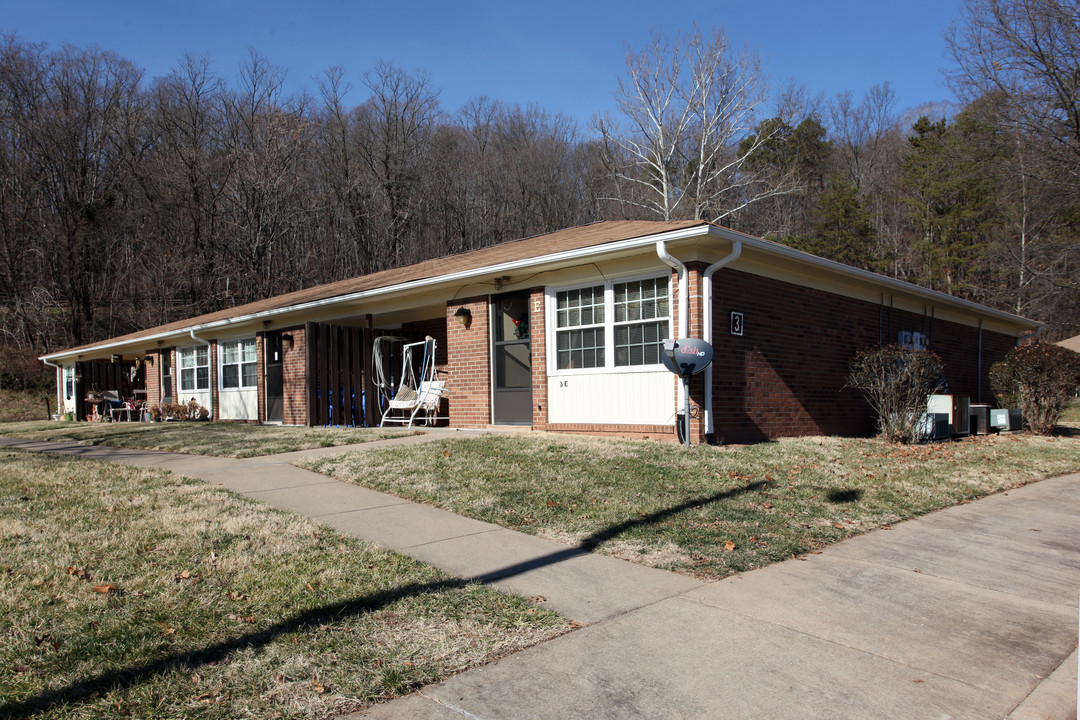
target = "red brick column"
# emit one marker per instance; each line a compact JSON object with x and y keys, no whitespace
{"x":294,"y":377}
{"x":468,"y":356}
{"x":214,"y":399}
{"x":695,"y":276}
{"x":153,"y":377}
{"x":260,"y":377}
{"x":538,"y":352}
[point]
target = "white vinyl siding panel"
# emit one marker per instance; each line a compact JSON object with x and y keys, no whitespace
{"x":238,"y":405}
{"x":640,"y":398}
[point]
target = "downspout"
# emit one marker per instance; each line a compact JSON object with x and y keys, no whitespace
{"x":707,"y":308}
{"x":979,"y":371}
{"x":684,"y":302}
{"x":1022,"y":338}
{"x":59,"y":385}
{"x":210,"y":394}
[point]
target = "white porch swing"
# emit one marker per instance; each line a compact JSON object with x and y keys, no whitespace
{"x":417,"y":398}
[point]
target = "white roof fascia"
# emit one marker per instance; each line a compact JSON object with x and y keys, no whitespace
{"x":591,"y":250}
{"x":610,"y":247}
{"x":866,"y":275}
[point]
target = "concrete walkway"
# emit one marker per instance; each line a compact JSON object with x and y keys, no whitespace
{"x":970,"y":612}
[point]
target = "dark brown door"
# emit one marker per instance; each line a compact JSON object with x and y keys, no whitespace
{"x":275,"y":388}
{"x":513,"y":367}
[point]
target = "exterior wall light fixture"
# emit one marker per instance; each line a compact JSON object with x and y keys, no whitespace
{"x":463,"y":315}
{"x":287,"y":341}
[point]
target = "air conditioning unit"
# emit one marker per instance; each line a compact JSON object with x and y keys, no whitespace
{"x":934,"y":426}
{"x":980,"y":419}
{"x":961,"y":415}
{"x":1016,"y":420}
{"x":941,"y":405}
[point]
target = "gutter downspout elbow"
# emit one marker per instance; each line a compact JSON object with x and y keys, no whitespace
{"x":59,"y":384}
{"x":707,"y":322}
{"x":210,"y":389}
{"x":684,"y":302}
{"x":1022,"y":338}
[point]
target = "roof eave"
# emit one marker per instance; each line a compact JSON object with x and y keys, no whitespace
{"x":610,"y":248}
{"x":936,"y":296}
{"x":614,"y":247}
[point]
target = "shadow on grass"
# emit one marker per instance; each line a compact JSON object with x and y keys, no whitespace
{"x":840,"y":497}
{"x":123,"y":678}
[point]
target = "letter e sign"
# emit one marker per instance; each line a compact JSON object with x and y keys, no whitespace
{"x":736,"y":323}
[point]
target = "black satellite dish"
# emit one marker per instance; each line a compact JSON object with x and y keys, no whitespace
{"x":687,"y":356}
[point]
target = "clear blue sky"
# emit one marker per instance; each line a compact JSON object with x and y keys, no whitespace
{"x":561,"y":55}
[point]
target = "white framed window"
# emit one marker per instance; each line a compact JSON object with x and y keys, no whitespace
{"x":579,"y":323}
{"x":194,"y":368}
{"x":69,"y":382}
{"x":641,"y":321}
{"x":615,"y":325}
{"x":238,"y":364}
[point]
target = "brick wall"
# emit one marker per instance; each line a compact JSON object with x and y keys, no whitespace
{"x":216,"y":413}
{"x":695,"y":276}
{"x":538,"y":357}
{"x":294,"y":378}
{"x":469,"y":372}
{"x":786,"y":374}
{"x":260,"y":376}
{"x":153,"y":377}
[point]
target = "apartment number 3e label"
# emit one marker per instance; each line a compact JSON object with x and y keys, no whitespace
{"x":564,"y":383}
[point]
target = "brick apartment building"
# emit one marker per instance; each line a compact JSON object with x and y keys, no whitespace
{"x":563,"y":332}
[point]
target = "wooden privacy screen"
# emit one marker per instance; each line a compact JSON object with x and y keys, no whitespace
{"x":338,"y":370}
{"x":101,"y":375}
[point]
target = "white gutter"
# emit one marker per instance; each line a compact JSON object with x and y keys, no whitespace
{"x":684,"y":303}
{"x":211,"y":375}
{"x":578,"y":253}
{"x":899,"y":285}
{"x":59,"y":385}
{"x":707,"y":320}
{"x":500,"y":269}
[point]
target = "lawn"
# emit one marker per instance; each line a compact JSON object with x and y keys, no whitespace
{"x":222,"y":439}
{"x":128,"y":592}
{"x":710,"y":511}
{"x":18,"y":405}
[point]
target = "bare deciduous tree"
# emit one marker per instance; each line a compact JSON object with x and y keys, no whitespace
{"x":1028,"y":51}
{"x":685,"y":104}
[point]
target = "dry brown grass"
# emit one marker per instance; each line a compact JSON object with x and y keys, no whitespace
{"x":708,"y":511}
{"x":127,"y":592}
{"x":221,"y":439}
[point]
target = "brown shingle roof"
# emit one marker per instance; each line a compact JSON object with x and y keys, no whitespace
{"x":595,"y":234}
{"x":1072,"y":343}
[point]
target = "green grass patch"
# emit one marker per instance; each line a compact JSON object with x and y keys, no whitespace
{"x":128,"y":592}
{"x":1071,"y":417}
{"x":23,"y":405}
{"x":221,"y":439}
{"x":709,"y":511}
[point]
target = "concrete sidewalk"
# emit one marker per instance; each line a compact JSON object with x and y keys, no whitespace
{"x":970,"y":612}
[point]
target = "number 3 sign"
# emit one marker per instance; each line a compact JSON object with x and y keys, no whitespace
{"x":736,"y":323}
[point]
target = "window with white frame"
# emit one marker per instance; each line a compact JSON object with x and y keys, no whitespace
{"x":194,"y":368}
{"x":238,"y":366}
{"x":579,"y":322}
{"x":613,"y":325}
{"x":69,"y":382}
{"x":641,"y":321}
